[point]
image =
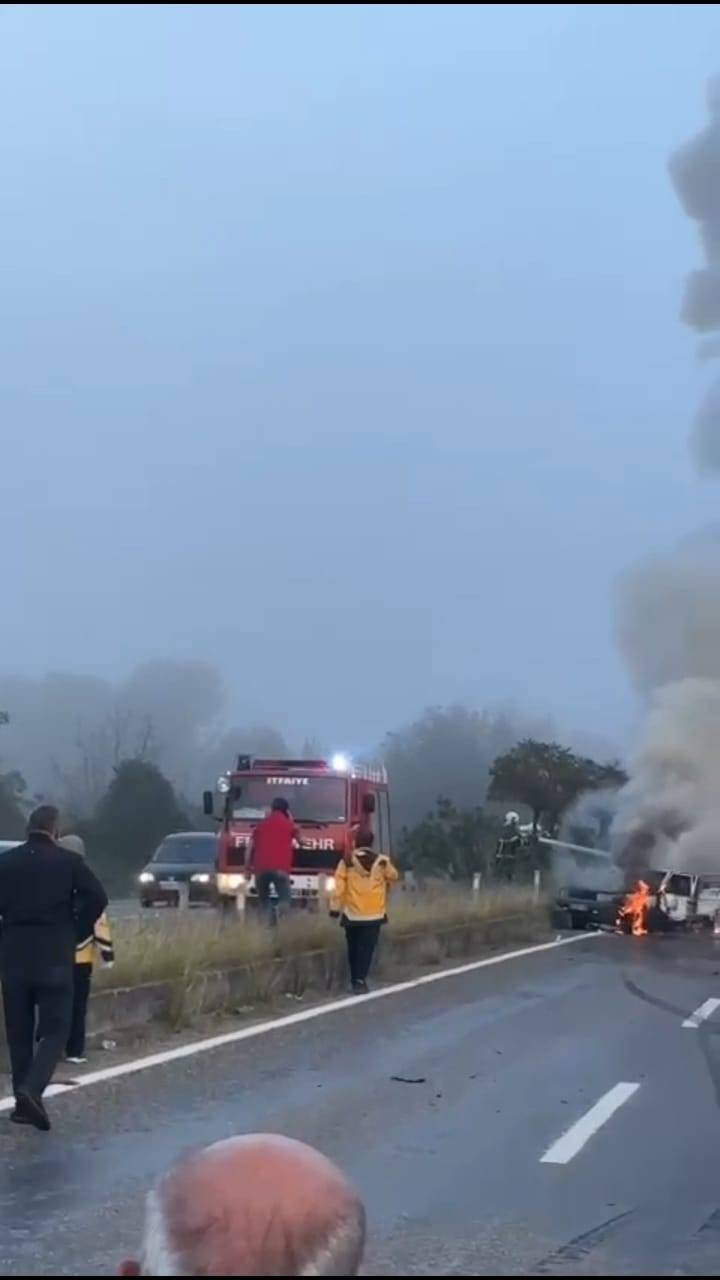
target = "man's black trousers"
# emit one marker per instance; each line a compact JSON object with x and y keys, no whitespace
{"x":38,"y":1013}
{"x":362,"y":939}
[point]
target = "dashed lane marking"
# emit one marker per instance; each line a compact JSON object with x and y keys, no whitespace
{"x":705,"y":1010}
{"x":573,"y":1141}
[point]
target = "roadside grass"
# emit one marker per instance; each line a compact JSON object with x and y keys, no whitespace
{"x":177,"y":947}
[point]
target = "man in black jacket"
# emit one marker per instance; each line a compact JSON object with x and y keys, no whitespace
{"x":49,"y":902}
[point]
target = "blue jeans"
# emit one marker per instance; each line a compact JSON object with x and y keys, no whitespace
{"x":266,"y":881}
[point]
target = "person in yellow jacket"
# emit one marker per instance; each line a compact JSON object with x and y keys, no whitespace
{"x":362,"y":884}
{"x":99,"y":946}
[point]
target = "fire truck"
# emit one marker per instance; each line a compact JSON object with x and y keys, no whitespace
{"x":329,"y":801}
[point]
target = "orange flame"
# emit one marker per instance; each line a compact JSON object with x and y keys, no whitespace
{"x":635,"y":908}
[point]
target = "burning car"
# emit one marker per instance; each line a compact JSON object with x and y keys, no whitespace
{"x":633,"y":915}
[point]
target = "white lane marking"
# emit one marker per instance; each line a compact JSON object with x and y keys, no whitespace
{"x":293,"y":1019}
{"x":706,"y":1010}
{"x":562,"y":1151}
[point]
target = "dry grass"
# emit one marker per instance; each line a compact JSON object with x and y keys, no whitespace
{"x":179,"y":946}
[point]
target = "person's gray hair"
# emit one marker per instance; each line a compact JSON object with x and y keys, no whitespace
{"x":73,"y":843}
{"x":342,"y":1252}
{"x":306,"y":1219}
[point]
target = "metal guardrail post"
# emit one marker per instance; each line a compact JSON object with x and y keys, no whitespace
{"x":241,"y":900}
{"x":183,"y":897}
{"x":536,"y":883}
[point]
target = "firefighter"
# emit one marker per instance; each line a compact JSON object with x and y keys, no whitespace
{"x":508,"y":847}
{"x":362,"y":882}
{"x":97,"y":946}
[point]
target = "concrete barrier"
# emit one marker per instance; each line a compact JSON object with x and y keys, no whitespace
{"x":320,"y":973}
{"x":132,"y":1011}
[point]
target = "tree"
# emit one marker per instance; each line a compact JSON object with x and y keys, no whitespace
{"x":12,"y":816}
{"x":449,"y":842}
{"x":67,"y":732}
{"x":181,"y":702}
{"x":85,"y":775}
{"x":548,"y":778}
{"x":138,"y":809}
{"x":49,"y":720}
{"x":447,"y":751}
{"x":222,"y":753}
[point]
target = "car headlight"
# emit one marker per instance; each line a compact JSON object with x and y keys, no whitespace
{"x":146,"y":877}
{"x":330,"y":884}
{"x":230,"y":882}
{"x":201,"y":877}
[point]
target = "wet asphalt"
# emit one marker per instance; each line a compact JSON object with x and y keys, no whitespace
{"x":508,"y":1058}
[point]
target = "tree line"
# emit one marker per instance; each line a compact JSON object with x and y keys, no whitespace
{"x":546,"y":779}
{"x":133,"y":771}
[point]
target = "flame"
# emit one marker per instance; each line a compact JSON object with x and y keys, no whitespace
{"x":635,"y":908}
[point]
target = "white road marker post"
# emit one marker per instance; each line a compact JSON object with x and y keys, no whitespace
{"x":536,"y":883}
{"x":241,"y":899}
{"x":476,"y":884}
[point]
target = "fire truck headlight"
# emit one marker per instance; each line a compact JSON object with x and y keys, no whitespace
{"x":330,"y":884}
{"x":340,"y":763}
{"x":230,"y":882}
{"x":146,"y":877}
{"x":201,"y":877}
{"x":223,"y":784}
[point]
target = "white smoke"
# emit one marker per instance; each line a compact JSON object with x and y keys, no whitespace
{"x":669,"y":615}
{"x":695,"y":172}
{"x":669,"y":607}
{"x":673,"y":798}
{"x":705,"y":438}
{"x":588,"y":822}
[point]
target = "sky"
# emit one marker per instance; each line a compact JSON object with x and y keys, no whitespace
{"x":341,"y":348}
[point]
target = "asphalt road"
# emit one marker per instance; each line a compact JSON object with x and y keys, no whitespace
{"x":518,"y":1062}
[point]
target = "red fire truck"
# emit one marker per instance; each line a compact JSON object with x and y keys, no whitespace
{"x":329,"y":801}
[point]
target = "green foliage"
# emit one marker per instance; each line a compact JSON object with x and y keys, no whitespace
{"x":548,"y":778}
{"x":138,"y":809}
{"x":449,"y":843}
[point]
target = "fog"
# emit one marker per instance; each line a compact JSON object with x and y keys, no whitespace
{"x":340,"y":357}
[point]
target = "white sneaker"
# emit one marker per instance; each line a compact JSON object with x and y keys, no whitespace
{"x":77,"y":1062}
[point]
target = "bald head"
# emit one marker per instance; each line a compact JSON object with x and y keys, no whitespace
{"x":254,"y":1206}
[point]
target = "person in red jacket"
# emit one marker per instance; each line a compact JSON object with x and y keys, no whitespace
{"x":271,"y":854}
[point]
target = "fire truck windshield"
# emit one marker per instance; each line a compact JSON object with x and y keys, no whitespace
{"x":310,"y":799}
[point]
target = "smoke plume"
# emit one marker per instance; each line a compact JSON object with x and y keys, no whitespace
{"x":695,"y":172}
{"x":669,"y":812}
{"x":588,"y":822}
{"x":669,"y":607}
{"x":669,"y":615}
